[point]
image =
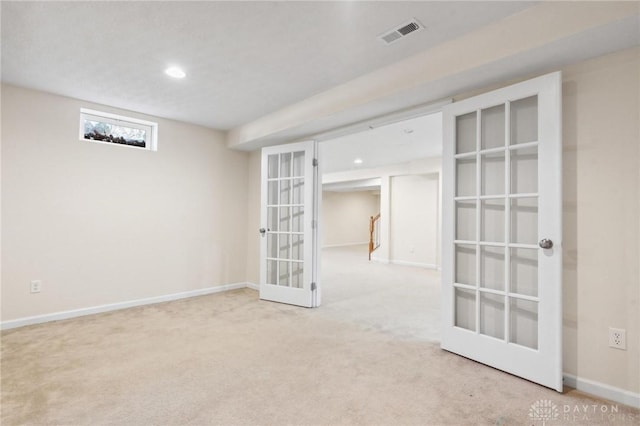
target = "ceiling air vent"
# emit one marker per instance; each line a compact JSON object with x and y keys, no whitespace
{"x":401,"y":31}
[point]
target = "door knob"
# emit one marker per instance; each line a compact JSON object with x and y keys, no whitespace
{"x":263,"y":231}
{"x":545,"y":243}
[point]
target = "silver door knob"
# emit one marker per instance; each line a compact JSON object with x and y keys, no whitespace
{"x":263,"y":231}
{"x":545,"y":243}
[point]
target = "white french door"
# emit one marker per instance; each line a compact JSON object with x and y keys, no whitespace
{"x":502,"y":229}
{"x":288,"y":217}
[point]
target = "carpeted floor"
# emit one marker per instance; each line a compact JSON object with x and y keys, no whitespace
{"x":365,"y":357}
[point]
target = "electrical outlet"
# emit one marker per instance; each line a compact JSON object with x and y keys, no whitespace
{"x":618,"y":338}
{"x":36,"y":286}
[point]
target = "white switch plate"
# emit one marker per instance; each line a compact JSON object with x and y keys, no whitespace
{"x":36,"y":286}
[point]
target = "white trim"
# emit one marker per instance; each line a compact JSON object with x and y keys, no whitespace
{"x":415,"y":264}
{"x":56,"y":316}
{"x":602,"y":390}
{"x":253,"y":286}
{"x":345,"y":244}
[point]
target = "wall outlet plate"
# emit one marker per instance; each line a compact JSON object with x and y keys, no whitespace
{"x":36,"y":286}
{"x":618,"y":338}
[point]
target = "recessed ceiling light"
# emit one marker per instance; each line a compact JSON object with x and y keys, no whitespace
{"x":175,"y":72}
{"x":357,"y":161}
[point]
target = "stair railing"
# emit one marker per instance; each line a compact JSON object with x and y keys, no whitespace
{"x":374,"y":233}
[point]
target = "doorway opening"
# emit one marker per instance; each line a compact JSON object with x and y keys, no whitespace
{"x":391,"y":176}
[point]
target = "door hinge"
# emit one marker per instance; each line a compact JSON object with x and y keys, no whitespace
{"x":314,"y":223}
{"x":313,"y":286}
{"x":315,"y":162}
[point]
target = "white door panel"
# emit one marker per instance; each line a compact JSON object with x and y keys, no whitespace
{"x":502,"y":292}
{"x":288,"y":215}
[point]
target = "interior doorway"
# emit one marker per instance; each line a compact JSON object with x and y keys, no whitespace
{"x":393,"y":171}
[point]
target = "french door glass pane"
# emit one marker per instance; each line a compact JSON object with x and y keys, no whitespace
{"x":298,"y":164}
{"x":283,"y":274}
{"x":524,"y":271}
{"x":285,"y":165}
{"x":524,"y":120}
{"x":466,"y":220}
{"x":492,"y":315}
{"x":524,"y":220}
{"x":492,"y":220}
{"x":272,"y":219}
{"x":285,"y":191}
{"x":465,"y":308}
{"x":273,"y":166}
{"x":492,"y":173}
{"x":524,"y":322}
{"x":283,"y":252}
{"x":297,"y":247}
{"x":465,"y":260}
{"x":492,"y":127}
{"x":297,"y":219}
{"x":272,"y":196}
{"x":285,"y":219}
{"x":272,"y":272}
{"x":465,"y":177}
{"x":521,"y":223}
{"x":466,"y":133}
{"x":298,"y":191}
{"x":492,"y":267}
{"x":296,"y":274}
{"x":524,"y":170}
{"x":272,"y":245}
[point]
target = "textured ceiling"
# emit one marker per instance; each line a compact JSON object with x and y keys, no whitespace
{"x":382,"y":146}
{"x":243,"y":59}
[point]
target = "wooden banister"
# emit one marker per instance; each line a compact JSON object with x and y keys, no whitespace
{"x":374,"y":242}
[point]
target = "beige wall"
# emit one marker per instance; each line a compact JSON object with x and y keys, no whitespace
{"x":253,"y":236}
{"x":414,"y":219}
{"x":102,"y":224}
{"x":345,"y":217}
{"x":601,"y":209}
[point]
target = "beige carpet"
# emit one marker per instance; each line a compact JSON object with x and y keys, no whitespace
{"x":365,"y":357}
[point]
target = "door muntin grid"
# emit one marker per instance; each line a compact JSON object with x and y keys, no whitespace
{"x":496,"y":198}
{"x":285,"y":219}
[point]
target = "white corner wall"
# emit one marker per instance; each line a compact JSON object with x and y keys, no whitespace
{"x":102,"y":224}
{"x":414,"y":224}
{"x":345,"y":217}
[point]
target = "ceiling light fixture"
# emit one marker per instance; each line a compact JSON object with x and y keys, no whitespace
{"x":357,"y":161}
{"x":175,"y":72}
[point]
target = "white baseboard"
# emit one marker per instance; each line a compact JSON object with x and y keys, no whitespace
{"x":253,"y":286}
{"x":602,"y":390}
{"x":56,"y":316}
{"x":415,"y":264}
{"x":345,"y":244}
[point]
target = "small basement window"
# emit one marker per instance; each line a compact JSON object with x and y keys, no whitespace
{"x":103,"y":127}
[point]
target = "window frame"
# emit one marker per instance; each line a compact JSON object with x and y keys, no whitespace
{"x":150,"y":127}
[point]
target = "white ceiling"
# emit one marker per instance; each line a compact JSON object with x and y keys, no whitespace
{"x":243,"y":59}
{"x":265,"y":70}
{"x":381,"y":146}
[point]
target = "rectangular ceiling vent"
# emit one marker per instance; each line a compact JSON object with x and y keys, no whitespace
{"x":401,"y":31}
